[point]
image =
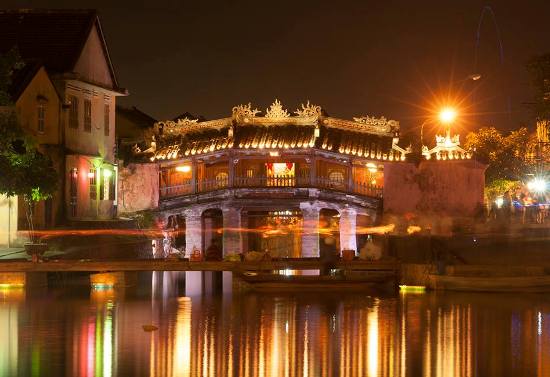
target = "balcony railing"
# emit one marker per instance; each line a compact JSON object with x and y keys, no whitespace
{"x":354,"y":187}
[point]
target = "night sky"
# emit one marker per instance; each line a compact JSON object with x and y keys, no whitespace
{"x":392,"y":58}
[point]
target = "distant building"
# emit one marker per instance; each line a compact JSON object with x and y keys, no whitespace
{"x":67,"y":101}
{"x":133,"y":128}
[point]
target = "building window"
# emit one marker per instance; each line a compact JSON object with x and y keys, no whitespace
{"x":336,"y":178}
{"x":73,"y":191}
{"x":87,"y":115}
{"x":106,"y":120}
{"x":221,"y":179}
{"x":73,"y":112}
{"x":93,"y":187}
{"x":41,"y":116}
{"x":280,"y":173}
{"x":107,"y":185}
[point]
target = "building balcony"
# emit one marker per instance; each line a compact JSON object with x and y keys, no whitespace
{"x":190,"y":187}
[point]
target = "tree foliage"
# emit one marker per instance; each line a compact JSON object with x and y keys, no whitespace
{"x":539,"y":69}
{"x":24,"y":170}
{"x":505,"y":154}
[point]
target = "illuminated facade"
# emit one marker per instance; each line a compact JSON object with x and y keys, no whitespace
{"x":288,"y":184}
{"x":66,"y":102}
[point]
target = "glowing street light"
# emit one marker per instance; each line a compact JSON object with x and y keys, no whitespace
{"x":537,"y":185}
{"x":447,"y":115}
{"x":183,"y":168}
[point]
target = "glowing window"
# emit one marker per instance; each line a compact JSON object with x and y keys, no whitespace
{"x":221,"y":179}
{"x":336,"y":178}
{"x":280,"y":173}
{"x":92,"y":178}
{"x":278,"y":169}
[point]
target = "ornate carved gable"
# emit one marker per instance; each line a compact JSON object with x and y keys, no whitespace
{"x":309,"y":110}
{"x":242,"y":112}
{"x":276,"y":111}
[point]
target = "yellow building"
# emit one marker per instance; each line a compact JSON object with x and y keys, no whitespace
{"x":66,"y":99}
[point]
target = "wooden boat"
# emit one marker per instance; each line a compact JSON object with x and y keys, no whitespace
{"x":533,"y":283}
{"x":349,"y":282}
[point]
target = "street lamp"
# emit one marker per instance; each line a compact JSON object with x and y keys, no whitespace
{"x":447,"y":115}
{"x":537,"y":185}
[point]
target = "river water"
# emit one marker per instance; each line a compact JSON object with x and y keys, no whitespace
{"x":81,"y":332}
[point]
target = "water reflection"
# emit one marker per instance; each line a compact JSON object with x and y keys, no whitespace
{"x":271,"y":335}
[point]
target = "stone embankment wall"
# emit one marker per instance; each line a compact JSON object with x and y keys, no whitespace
{"x":434,"y":193}
{"x":138,"y":188}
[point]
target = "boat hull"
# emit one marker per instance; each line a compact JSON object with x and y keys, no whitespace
{"x":490,"y":284}
{"x":278,"y":283}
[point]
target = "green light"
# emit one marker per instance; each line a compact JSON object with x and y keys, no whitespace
{"x":412,"y":288}
{"x":102,"y":287}
{"x":107,"y":173}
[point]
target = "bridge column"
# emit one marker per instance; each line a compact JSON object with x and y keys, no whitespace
{"x":310,"y":230}
{"x":348,"y":229}
{"x":193,"y":232}
{"x":232,"y":236}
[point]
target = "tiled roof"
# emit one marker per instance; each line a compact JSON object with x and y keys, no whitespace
{"x":54,"y":38}
{"x":194,"y":144}
{"x":310,"y":127}
{"x":354,"y":143}
{"x":21,"y":78}
{"x":275,"y":137}
{"x":279,"y":137}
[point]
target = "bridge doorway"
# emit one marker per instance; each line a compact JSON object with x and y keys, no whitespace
{"x":329,"y":233}
{"x":178,"y":225}
{"x":212,"y":233}
{"x":363,"y":223}
{"x":276,"y":232}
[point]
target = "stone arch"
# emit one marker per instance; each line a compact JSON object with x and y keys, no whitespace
{"x":212,"y":232}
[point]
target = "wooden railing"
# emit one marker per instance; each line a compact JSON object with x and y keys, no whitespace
{"x":355,"y":187}
{"x":184,"y":188}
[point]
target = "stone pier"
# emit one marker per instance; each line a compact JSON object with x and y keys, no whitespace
{"x":232,"y":235}
{"x":310,"y":230}
{"x":193,"y":232}
{"x":348,"y":234}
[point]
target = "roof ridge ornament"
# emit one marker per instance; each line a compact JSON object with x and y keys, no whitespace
{"x":308,"y":110}
{"x":447,"y":147}
{"x":186,"y":125}
{"x":382,"y":124}
{"x":186,"y":121}
{"x":276,"y":111}
{"x":244,"y":111}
